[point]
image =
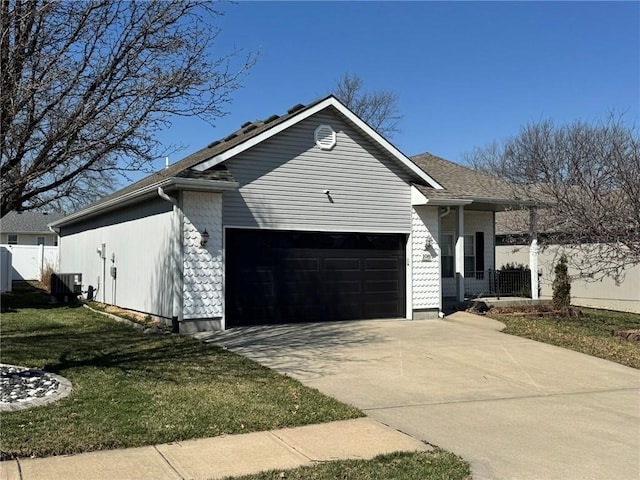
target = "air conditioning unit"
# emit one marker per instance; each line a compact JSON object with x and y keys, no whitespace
{"x":66,"y":285}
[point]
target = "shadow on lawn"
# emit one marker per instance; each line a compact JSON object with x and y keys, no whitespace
{"x":128,"y":351}
{"x":28,"y":294}
{"x":38,"y":334}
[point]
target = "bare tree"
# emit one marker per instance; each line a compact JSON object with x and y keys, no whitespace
{"x":379,"y":108}
{"x":586,"y":178}
{"x":85,"y":85}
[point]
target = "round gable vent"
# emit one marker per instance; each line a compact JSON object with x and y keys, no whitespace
{"x":325,"y":137}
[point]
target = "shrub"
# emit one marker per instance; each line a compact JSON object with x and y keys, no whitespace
{"x":514,"y":266}
{"x":45,"y":276}
{"x":562,"y":286}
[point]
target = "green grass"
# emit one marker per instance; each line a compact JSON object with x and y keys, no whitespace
{"x":590,"y":333}
{"x":435,"y":465}
{"x":131,"y":389}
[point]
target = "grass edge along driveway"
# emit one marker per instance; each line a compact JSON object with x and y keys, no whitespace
{"x":434,"y":465}
{"x":591,"y":332}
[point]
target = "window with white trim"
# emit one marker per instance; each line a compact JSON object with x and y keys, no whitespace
{"x":469,"y":256}
{"x":447,"y":254}
{"x":40,"y":240}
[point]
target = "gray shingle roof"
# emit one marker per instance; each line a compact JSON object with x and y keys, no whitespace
{"x":461,"y":182}
{"x":28,"y":222}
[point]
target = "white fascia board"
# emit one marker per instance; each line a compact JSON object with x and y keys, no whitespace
{"x":505,"y":201}
{"x":200,"y":185}
{"x":329,"y":102}
{"x":417,"y":198}
{"x":448,"y":202}
{"x":386,"y":145}
{"x":168,"y":184}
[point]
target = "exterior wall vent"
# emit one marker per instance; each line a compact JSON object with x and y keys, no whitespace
{"x":325,"y":137}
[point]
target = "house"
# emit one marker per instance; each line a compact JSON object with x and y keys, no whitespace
{"x":596,"y":291}
{"x":308,"y":216}
{"x":28,"y":228}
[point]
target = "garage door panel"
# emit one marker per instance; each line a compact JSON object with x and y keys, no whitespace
{"x":302,"y":264}
{"x":380,"y":309}
{"x":382,"y":264}
{"x":344,"y":287}
{"x":342,"y":264}
{"x":383,"y":286}
{"x":274,"y":276}
{"x":297,"y":292}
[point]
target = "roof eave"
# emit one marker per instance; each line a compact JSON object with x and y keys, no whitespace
{"x":167,"y":184}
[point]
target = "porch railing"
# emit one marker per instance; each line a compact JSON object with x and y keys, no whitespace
{"x":516,"y":283}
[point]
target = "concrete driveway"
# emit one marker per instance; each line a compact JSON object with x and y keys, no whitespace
{"x":515,"y":408}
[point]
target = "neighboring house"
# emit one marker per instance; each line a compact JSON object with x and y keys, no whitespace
{"x":30,"y":246}
{"x":512,"y":246}
{"x":309,"y":216}
{"x":28,"y":228}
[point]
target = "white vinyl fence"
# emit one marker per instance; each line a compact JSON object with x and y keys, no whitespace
{"x":28,"y":261}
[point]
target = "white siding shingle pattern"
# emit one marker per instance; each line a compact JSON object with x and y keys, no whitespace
{"x":426,"y":271}
{"x":202,"y":278}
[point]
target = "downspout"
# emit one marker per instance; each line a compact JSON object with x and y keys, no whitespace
{"x":446,"y":212}
{"x":176,"y":256}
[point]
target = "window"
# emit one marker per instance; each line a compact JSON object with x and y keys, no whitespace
{"x":469,"y":256}
{"x":55,"y":241}
{"x":40,"y":240}
{"x":447,"y":250}
{"x":12,"y":239}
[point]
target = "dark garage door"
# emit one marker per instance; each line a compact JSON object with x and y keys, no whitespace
{"x":287,"y":277}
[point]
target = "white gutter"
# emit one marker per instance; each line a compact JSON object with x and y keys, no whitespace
{"x":172,"y":183}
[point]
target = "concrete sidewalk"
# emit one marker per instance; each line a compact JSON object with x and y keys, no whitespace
{"x":218,"y":457}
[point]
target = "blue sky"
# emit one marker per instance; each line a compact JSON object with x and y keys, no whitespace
{"x":466,"y":73}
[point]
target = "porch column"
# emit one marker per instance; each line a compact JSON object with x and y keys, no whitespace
{"x":459,"y":254}
{"x":533,"y":252}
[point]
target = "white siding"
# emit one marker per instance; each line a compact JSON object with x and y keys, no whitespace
{"x":140,"y":240}
{"x":426,"y":271}
{"x":282,"y":184}
{"x":202,"y":287}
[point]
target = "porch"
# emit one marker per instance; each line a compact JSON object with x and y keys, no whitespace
{"x":491,"y":287}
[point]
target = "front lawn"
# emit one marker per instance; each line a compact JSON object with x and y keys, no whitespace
{"x":132,"y":389}
{"x":590,"y":333}
{"x":435,"y":465}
